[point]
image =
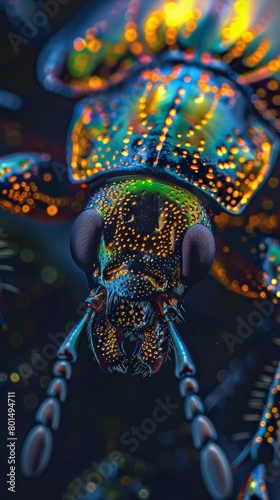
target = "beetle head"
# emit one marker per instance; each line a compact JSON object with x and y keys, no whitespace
{"x":144,"y":245}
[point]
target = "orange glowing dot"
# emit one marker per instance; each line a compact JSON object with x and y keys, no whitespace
{"x":52,"y":210}
{"x":130,"y":35}
{"x":79,"y":44}
{"x":119,"y":48}
{"x":47,"y":177}
{"x":94,"y":45}
{"x":136,"y":48}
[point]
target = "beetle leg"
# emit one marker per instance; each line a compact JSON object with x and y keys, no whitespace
{"x":34,"y":185}
{"x":266,"y":439}
{"x":37,"y":447}
{"x":61,"y":55}
{"x":254,"y":485}
{"x":215,"y":468}
{"x":68,"y":349}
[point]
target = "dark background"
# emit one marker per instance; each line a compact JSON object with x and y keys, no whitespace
{"x":99,"y":407}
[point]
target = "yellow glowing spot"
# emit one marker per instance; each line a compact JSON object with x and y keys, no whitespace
{"x":199,"y":99}
{"x":248,"y":36}
{"x":94,"y":45}
{"x":239,"y":21}
{"x":14,"y":377}
{"x":266,"y":146}
{"x":130,"y":35}
{"x":52,"y":210}
{"x":178,"y":13}
{"x":95,"y":82}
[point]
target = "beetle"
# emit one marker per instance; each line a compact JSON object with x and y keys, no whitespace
{"x":177,"y":131}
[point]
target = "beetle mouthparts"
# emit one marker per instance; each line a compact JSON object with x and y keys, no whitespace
{"x":128,"y":314}
{"x":129,"y":336}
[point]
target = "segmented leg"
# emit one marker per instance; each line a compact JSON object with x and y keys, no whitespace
{"x":268,"y":428}
{"x":215,"y":468}
{"x":254,"y":485}
{"x":37,"y":447}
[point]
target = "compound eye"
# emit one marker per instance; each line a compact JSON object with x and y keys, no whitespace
{"x":85,"y":238}
{"x":198,"y":252}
